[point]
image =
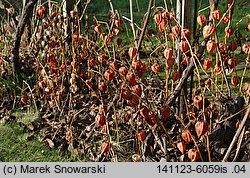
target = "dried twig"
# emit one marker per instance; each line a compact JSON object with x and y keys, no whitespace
{"x":239,"y":144}
{"x":85,"y":8}
{"x":185,"y":74}
{"x":132,"y":20}
{"x":236,"y":135}
{"x":144,"y":25}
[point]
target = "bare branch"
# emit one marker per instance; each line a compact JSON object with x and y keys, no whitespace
{"x":27,"y":13}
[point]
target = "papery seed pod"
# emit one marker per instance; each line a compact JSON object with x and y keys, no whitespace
{"x":24,"y":99}
{"x":176,"y":30}
{"x":207,"y":63}
{"x":108,"y":39}
{"x":211,"y":45}
{"x":132,"y":52}
{"x":101,"y":58}
{"x":136,"y":158}
{"x":225,"y":57}
{"x":162,"y":25}
{"x":226,"y":18}
{"x":245,"y":48}
{"x":208,"y":83}
{"x":144,"y":112}
{"x":105,"y":147}
{"x":165,"y":15}
{"x":208,"y":30}
{"x":181,"y":146}
{"x":186,"y":59}
{"x":186,"y":136}
{"x":109,"y":74}
{"x":119,"y":41}
{"x":48,"y":90}
{"x":98,"y":29}
{"x":103,"y":36}
{"x":235,"y":80}
{"x":171,"y":36}
{"x":175,"y":75}
{"x":41,"y":10}
{"x":217,"y":70}
{"x":100,"y":119}
{"x":126,"y":94}
{"x":73,"y":14}
{"x":230,"y":4}
{"x":198,"y":101}
{"x":216,"y":15}
{"x":222,"y":47}
{"x":136,"y":64}
{"x":165,"y":112}
{"x":170,"y":62}
{"x":53,"y":14}
{"x":168,"y":53}
{"x":152,"y":120}
{"x":156,"y":68}
{"x":232,"y":63}
{"x":133,"y":102}
{"x":183,"y":46}
{"x":228,"y":31}
{"x":92,"y":62}
{"x":113,"y":65}
{"x":201,"y":19}
{"x":201,"y":127}
{"x":116,"y":31}
{"x":186,"y":33}
{"x":117,"y":23}
{"x":102,"y":86}
{"x":137,"y":90}
{"x":193,"y":154}
{"x":102,"y":108}
{"x":141,"y":136}
{"x":75,"y":36}
{"x":123,"y":71}
{"x":232,"y":45}
{"x":131,"y":78}
{"x":157,"y":18}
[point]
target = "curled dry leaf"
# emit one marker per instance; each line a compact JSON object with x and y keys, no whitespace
{"x":50,"y":143}
{"x":69,"y":136}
